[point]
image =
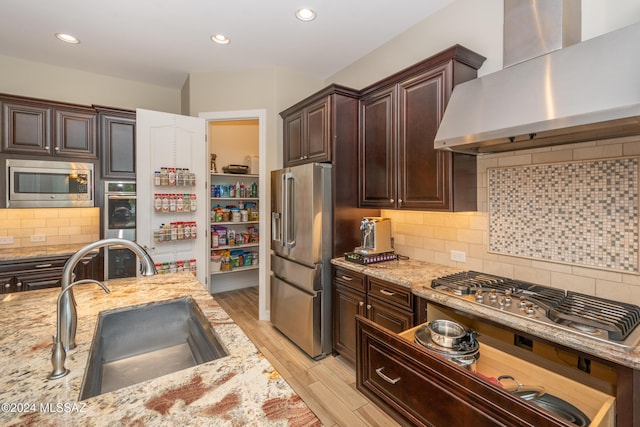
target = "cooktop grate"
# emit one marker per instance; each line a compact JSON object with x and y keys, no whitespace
{"x":571,"y":309}
{"x":468,"y":282}
{"x":617,"y":318}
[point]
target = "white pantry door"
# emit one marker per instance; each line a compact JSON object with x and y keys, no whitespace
{"x":172,"y":141}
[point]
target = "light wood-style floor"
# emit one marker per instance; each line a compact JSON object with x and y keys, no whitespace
{"x":327,"y":386}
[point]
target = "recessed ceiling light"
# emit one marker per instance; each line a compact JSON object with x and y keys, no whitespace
{"x":305,"y":14}
{"x":67,"y":38}
{"x":220,"y":39}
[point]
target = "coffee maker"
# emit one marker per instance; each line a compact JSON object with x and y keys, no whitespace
{"x":375,"y":236}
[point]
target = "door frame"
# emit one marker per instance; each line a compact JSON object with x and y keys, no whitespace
{"x":261,"y":116}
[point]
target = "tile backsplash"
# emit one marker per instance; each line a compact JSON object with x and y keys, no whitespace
{"x":431,"y":236}
{"x":49,"y":226}
{"x":583,"y":213}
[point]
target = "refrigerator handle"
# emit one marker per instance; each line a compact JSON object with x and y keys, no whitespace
{"x":276,"y":227}
{"x":289,"y":210}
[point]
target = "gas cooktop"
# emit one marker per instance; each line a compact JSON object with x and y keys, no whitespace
{"x":606,"y":320}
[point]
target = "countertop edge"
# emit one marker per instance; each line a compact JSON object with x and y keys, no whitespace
{"x":417,"y":275}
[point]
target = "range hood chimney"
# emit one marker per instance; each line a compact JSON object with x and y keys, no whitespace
{"x":551,"y":91}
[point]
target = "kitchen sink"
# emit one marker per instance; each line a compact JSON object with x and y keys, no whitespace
{"x":134,"y":344}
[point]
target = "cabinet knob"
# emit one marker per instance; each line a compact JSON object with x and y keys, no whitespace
{"x":57,"y":148}
{"x":400,"y":201}
{"x":7,"y":285}
{"x":17,"y":284}
{"x":368,"y":306}
{"x":46,"y":147}
{"x":391,"y":200}
{"x":361,"y":303}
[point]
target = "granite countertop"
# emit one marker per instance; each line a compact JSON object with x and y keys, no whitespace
{"x":240,"y":389}
{"x":13,"y":254}
{"x":418,"y":275}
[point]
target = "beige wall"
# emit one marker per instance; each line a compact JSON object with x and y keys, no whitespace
{"x":59,"y":226}
{"x":232,"y":141}
{"x":476,"y":25}
{"x":38,"y":80}
{"x":270,"y":89}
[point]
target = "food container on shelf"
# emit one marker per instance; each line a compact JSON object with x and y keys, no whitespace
{"x":216,"y":262}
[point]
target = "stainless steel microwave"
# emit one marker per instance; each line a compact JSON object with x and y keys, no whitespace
{"x":44,"y":184}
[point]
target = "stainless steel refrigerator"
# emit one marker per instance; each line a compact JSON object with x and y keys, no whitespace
{"x":301,"y":232}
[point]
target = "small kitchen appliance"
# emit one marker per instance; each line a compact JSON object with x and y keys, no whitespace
{"x":376,"y":236}
{"x":375,"y":245}
{"x":48,"y":184}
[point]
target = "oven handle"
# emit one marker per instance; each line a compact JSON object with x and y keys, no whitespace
{"x":120,"y":197}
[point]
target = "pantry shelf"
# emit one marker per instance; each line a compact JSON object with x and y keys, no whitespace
{"x":235,"y":270}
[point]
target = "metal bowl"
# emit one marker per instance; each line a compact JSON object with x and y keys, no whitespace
{"x":446,"y":333}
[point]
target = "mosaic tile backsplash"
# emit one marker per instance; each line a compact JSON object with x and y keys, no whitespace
{"x":583,"y":213}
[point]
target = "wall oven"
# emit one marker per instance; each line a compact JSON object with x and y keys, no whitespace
{"x":119,"y":221}
{"x":44,"y":184}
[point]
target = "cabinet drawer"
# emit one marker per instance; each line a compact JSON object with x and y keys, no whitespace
{"x":421,"y":388}
{"x":389,"y":316}
{"x":391,"y":293}
{"x":493,"y":362}
{"x":350,"y":278}
{"x":43,"y":279}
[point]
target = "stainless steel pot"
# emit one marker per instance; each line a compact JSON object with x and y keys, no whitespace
{"x":465,"y":352}
{"x":467,"y":361}
{"x":446,"y":333}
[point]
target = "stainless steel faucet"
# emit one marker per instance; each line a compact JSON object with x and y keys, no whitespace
{"x":69,"y":316}
{"x":59,"y":355}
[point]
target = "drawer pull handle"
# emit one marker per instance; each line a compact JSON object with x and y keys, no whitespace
{"x":347,"y":278}
{"x":387,"y":293}
{"x":386,"y":378}
{"x":43,"y":265}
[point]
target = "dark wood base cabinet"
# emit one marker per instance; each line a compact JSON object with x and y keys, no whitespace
{"x":45,"y":272}
{"x":387,"y":304}
{"x":419,"y":388}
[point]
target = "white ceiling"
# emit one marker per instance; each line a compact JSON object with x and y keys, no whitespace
{"x":162,"y":41}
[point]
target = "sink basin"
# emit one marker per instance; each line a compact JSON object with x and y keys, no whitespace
{"x":134,"y":344}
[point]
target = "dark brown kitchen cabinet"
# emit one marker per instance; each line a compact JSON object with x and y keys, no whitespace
{"x":307,"y":136}
{"x":76,"y":132}
{"x":45,"y":128}
{"x":43,"y":279}
{"x":7,"y":283}
{"x":383,"y":302}
{"x":399,"y":117}
{"x":26,"y":127}
{"x":314,"y":125}
{"x":117,"y":130}
{"x":45,"y":272}
{"x":420,"y":388}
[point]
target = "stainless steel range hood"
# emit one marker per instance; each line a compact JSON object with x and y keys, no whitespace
{"x":584,"y":92}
